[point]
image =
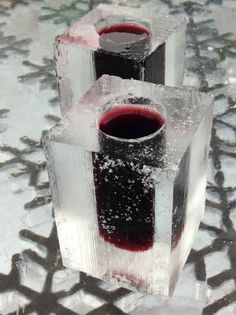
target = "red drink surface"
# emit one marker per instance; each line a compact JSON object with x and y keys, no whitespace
{"x":131,"y":122}
{"x":125,"y":33}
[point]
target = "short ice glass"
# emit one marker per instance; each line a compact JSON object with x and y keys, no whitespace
{"x":127,"y":167}
{"x":119,"y":41}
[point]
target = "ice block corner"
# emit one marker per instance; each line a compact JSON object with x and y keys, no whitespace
{"x":127,"y":167}
{"x":121,"y":41}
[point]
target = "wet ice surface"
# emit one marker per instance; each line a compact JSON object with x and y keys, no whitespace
{"x":18,"y":216}
{"x":81,"y":302}
{"x":11,"y":301}
{"x":83,"y":156}
{"x":23,"y":105}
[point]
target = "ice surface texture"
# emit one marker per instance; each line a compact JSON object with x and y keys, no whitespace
{"x":127,"y":210}
{"x":82,"y":55}
{"x":189,"y":298}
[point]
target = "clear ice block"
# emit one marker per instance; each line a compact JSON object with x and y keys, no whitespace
{"x":127,"y":167}
{"x":121,"y":41}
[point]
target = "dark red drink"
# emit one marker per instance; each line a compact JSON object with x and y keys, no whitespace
{"x":131,"y":122}
{"x":125,"y":51}
{"x":131,"y":142}
{"x":125,"y":33}
{"x":179,"y":200}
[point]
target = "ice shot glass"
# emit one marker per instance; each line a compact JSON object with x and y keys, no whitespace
{"x":131,"y":140}
{"x":127,"y":167}
{"x":120,"y":41}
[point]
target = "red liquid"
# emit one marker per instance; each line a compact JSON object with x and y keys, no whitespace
{"x":124,"y":197}
{"x":131,"y":122}
{"x":134,"y":59}
{"x":179,"y":200}
{"x":125,"y":33}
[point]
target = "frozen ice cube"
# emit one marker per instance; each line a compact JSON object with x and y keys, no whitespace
{"x":127,"y":167}
{"x":121,"y":41}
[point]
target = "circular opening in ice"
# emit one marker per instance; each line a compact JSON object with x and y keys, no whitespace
{"x":122,"y":35}
{"x":131,"y":122}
